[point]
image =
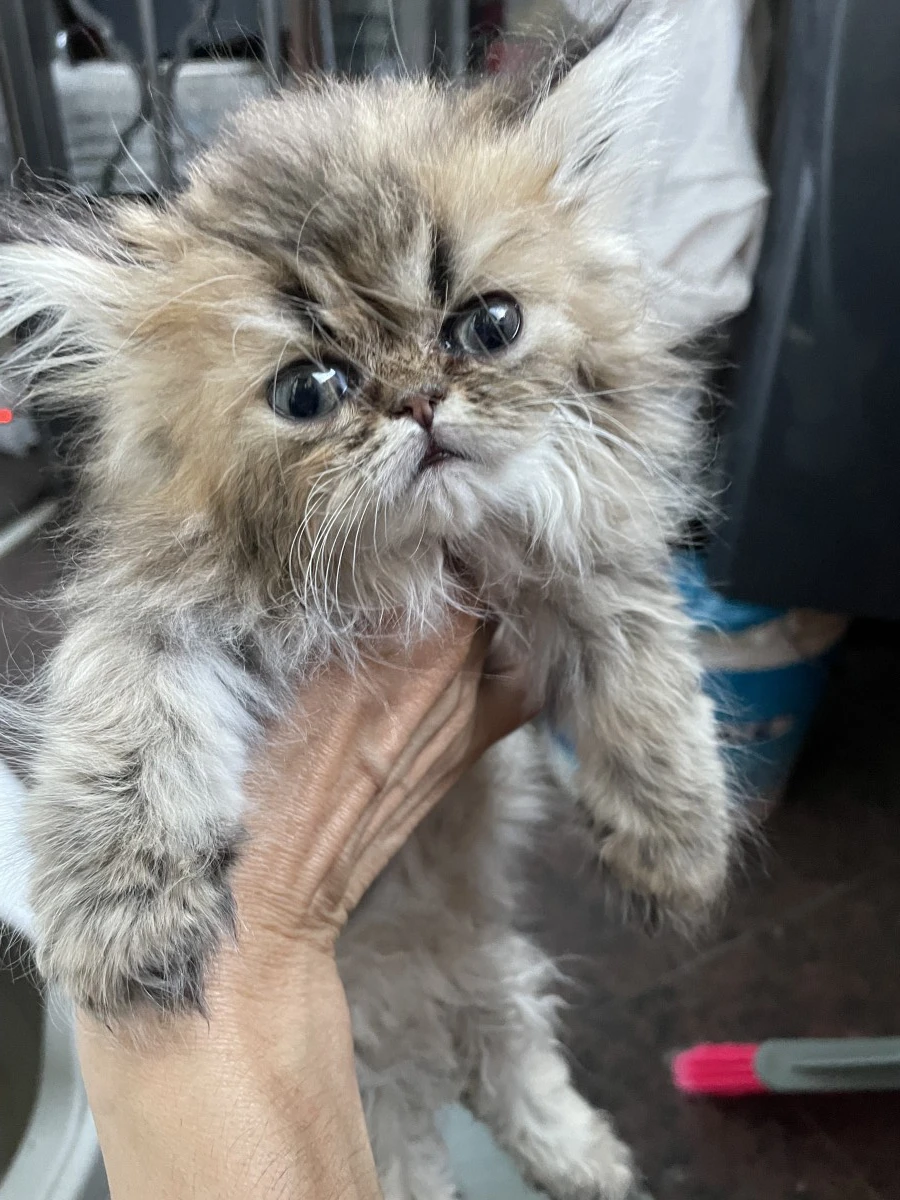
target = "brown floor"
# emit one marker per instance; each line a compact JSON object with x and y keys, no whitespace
{"x":809,"y":946}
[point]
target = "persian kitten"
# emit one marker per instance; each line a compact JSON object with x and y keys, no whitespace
{"x":386,"y":328}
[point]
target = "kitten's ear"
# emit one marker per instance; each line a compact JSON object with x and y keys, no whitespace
{"x":64,"y":281}
{"x":599,"y":116}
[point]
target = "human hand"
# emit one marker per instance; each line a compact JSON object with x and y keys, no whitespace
{"x":261,"y":1098}
{"x":349,"y":773}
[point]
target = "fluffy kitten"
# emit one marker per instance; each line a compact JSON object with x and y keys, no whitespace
{"x":388,"y":327}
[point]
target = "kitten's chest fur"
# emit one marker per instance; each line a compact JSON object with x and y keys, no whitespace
{"x":415,"y":957}
{"x":512,"y":580}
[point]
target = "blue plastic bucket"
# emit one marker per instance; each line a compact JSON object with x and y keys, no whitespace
{"x":765,"y":670}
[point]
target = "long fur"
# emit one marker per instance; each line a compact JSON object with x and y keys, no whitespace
{"x":230,"y":552}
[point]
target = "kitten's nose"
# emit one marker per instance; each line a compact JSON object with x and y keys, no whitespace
{"x":420,"y":405}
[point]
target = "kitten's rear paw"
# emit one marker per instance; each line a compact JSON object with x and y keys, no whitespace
{"x":604,"y":1170}
{"x":136,"y":931}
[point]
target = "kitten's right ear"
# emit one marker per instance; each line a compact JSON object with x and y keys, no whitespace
{"x":599,"y":116}
{"x":64,"y":280}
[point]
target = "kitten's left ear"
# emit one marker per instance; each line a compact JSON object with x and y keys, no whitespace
{"x":64,"y":283}
{"x":600,"y":117}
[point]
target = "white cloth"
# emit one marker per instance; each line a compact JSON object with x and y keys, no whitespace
{"x":705,"y":208}
{"x":14,"y":859}
{"x":701,"y":207}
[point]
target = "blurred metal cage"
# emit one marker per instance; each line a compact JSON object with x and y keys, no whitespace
{"x":116,"y":95}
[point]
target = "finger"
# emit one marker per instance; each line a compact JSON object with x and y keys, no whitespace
{"x":438,"y":747}
{"x":504,"y":704}
{"x":445,"y":727}
{"x":395,"y":832}
{"x":462,"y":643}
{"x":414,"y":686}
{"x":402,"y":681}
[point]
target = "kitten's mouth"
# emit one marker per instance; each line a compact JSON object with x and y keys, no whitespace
{"x":435,"y":454}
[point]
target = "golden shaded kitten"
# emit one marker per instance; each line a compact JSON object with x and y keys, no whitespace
{"x":388,"y":327}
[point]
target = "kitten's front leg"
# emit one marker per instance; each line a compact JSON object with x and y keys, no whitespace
{"x":650,"y":775}
{"x":135,"y":815}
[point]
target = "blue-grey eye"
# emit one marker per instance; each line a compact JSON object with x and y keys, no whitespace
{"x":306,"y":390}
{"x":486,"y":326}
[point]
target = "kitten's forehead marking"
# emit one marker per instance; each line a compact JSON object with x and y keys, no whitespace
{"x":399,"y":286}
{"x":376,"y":235}
{"x":441,"y":279}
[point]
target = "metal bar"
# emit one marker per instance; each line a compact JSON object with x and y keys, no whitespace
{"x":458,"y":36}
{"x":326,"y":36}
{"x":32,"y":112}
{"x":416,"y":35}
{"x":270,"y":22}
{"x":204,"y":11}
{"x":114,"y":46}
{"x":159,"y":117}
{"x":450,"y":19}
{"x":303,"y":40}
{"x":120,"y":51}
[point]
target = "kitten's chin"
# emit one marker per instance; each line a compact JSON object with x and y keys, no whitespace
{"x":438,"y":456}
{"x":440,"y":486}
{"x":443,"y":469}
{"x":443,"y":487}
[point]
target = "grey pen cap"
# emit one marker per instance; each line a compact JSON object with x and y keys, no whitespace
{"x":830,"y":1065}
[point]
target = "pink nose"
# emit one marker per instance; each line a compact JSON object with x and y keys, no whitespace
{"x":420,"y":405}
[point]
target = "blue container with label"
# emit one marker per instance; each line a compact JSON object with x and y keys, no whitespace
{"x":765,"y":670}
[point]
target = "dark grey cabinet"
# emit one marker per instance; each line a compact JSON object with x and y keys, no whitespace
{"x":811,"y":439}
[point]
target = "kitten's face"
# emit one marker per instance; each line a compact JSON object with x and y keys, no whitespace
{"x":376,"y":302}
{"x":383,"y":317}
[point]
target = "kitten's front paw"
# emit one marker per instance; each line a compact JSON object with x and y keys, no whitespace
{"x":679,"y":877}
{"x":136,"y":931}
{"x":670,"y":861}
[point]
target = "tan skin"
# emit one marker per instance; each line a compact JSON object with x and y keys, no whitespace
{"x":260,"y":1100}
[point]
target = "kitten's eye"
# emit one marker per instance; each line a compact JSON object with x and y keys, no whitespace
{"x":306,"y":390}
{"x":485,"y":327}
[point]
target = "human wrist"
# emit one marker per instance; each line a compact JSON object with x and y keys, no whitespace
{"x":201,"y":1107}
{"x":265,"y":1013}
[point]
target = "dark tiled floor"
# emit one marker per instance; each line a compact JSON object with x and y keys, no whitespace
{"x":810,"y":945}
{"x":22,"y":480}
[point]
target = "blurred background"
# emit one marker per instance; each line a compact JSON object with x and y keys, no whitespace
{"x":771,"y":221}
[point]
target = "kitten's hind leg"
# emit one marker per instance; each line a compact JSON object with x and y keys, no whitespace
{"x":410,"y":1155}
{"x":522,"y":1089}
{"x":135,"y":815}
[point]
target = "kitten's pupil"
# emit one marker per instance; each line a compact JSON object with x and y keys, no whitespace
{"x":484,"y":327}
{"x":306,"y":390}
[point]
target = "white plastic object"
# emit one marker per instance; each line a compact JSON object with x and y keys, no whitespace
{"x":15,"y":910}
{"x":58,"y":1157}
